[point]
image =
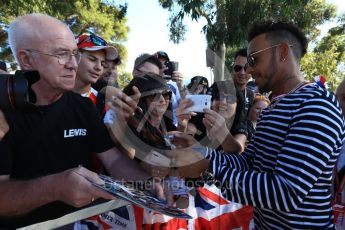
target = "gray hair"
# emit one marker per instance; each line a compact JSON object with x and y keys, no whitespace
{"x":27,"y":28}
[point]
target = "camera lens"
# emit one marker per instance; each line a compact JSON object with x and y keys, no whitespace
{"x":6,"y":98}
{"x":15,"y":90}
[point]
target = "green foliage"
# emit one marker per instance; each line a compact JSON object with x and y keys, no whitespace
{"x":227,"y":21}
{"x":103,"y":17}
{"x":325,"y":63}
{"x":328,"y":57}
{"x":123,"y":78}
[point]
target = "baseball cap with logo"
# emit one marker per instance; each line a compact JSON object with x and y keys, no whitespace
{"x":198,"y":80}
{"x":93,"y":42}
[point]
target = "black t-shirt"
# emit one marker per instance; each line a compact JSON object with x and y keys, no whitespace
{"x":52,"y":139}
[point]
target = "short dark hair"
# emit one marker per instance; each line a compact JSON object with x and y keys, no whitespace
{"x":277,"y":32}
{"x":241,"y":52}
{"x":145,"y":84}
{"x":221,"y":87}
{"x":145,"y":57}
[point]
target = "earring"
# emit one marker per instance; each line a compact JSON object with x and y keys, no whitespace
{"x":283,"y":59}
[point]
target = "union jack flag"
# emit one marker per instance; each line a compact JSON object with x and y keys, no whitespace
{"x":210,"y":211}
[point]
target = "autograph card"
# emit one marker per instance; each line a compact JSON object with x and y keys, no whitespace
{"x":128,"y":192}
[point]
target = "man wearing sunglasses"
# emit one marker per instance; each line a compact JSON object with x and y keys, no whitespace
{"x":286,"y":171}
{"x":241,"y":78}
{"x":41,"y":176}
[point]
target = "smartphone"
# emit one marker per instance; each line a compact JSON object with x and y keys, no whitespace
{"x":171,"y":67}
{"x":200,"y":102}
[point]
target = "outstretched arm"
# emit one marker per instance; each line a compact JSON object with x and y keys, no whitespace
{"x":301,"y":168}
{"x":121,"y":166}
{"x":72,"y":186}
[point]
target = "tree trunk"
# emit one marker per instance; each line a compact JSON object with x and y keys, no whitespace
{"x":219,"y":63}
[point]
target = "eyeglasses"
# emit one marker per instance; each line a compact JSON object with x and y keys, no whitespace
{"x":96,"y":40}
{"x":230,"y":99}
{"x":166,"y":95}
{"x":238,"y":68}
{"x":63,"y":57}
{"x":252,"y":60}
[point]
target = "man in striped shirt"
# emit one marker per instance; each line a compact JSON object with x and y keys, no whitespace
{"x":286,"y":171}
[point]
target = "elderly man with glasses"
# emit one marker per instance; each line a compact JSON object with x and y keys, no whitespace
{"x":41,"y":175}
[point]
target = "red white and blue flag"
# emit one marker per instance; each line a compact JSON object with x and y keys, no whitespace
{"x":210,"y":211}
{"x":213,"y":212}
{"x":122,"y":218}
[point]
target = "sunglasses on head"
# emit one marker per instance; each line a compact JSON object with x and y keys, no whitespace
{"x":157,"y":95}
{"x":238,"y":68}
{"x":96,"y":40}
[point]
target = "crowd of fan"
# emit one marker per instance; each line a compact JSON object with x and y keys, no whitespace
{"x":115,"y":132}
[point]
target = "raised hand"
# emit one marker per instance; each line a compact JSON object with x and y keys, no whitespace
{"x":215,"y":125}
{"x":183,"y":116}
{"x":123,"y":105}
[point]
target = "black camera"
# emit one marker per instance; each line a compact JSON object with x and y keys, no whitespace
{"x":16,"y":92}
{"x":171,"y":67}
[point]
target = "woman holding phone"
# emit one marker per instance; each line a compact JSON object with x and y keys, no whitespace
{"x":226,"y":110}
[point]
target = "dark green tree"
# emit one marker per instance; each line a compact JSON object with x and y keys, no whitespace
{"x":227,"y":21}
{"x":328,"y":56}
{"x":103,"y":17}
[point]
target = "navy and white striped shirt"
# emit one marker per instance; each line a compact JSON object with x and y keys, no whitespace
{"x":286,"y":171}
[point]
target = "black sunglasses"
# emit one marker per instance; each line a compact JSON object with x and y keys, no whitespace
{"x":166,"y":95}
{"x":230,"y":99}
{"x":252,"y":60}
{"x":238,"y":68}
